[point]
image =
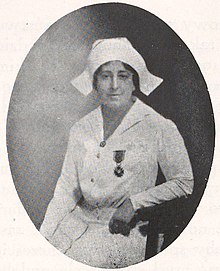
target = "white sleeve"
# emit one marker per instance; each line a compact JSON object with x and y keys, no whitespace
{"x":67,"y":192}
{"x":176,"y":167}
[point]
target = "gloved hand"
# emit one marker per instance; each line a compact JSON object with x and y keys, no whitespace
{"x":121,"y":219}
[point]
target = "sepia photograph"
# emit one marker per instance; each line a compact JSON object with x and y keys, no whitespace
{"x":110,"y":135}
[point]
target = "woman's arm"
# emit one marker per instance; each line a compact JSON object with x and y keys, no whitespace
{"x":67,"y":192}
{"x":176,"y":167}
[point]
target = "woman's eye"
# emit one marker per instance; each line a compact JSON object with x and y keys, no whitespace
{"x":105,"y":76}
{"x":123,"y":76}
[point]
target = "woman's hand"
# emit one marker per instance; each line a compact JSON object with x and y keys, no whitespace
{"x":120,"y":221}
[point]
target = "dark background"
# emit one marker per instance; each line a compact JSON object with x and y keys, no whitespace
{"x":44,"y":105}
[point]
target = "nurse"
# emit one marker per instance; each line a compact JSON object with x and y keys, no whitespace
{"x":111,"y":164}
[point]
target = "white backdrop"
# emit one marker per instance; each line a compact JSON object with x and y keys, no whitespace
{"x":22,"y":22}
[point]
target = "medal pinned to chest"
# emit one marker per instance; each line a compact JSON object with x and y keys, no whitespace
{"x":118,"y":157}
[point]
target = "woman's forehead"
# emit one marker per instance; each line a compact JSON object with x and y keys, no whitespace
{"x":115,"y":65}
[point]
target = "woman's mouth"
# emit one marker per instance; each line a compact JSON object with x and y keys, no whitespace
{"x":114,"y":94}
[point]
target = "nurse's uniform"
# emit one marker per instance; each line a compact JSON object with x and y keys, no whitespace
{"x":88,"y":192}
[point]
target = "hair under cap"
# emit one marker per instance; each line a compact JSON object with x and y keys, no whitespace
{"x":121,"y":49}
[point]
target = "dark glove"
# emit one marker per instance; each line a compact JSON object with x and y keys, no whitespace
{"x":121,"y":219}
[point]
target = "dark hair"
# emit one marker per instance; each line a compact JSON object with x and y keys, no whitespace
{"x":136,"y":80}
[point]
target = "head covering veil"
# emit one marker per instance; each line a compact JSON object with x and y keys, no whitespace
{"x":121,"y":49}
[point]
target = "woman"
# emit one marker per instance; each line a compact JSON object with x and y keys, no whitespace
{"x":111,"y":164}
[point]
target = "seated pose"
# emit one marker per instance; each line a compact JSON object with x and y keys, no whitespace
{"x":111,"y":164}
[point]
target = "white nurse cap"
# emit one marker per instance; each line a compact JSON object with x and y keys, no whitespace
{"x":121,"y":49}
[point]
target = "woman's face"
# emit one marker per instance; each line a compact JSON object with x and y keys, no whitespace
{"x":115,"y":85}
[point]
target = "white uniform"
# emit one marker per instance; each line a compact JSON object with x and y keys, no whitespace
{"x":81,"y":230}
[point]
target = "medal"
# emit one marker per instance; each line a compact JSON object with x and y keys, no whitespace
{"x":118,"y":157}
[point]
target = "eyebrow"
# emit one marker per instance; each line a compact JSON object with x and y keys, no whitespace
{"x":120,"y":71}
{"x":125,"y":71}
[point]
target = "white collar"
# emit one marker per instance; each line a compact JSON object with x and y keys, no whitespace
{"x":136,"y":114}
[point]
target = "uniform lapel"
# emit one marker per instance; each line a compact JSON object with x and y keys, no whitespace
{"x":134,"y":115}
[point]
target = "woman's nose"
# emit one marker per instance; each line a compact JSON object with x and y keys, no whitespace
{"x":114,"y":82}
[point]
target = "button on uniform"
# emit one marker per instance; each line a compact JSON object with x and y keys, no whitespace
{"x":102,"y":143}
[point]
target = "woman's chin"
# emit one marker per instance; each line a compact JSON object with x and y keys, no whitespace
{"x":114,"y":105}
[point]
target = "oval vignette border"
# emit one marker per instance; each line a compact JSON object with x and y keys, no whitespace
{"x":22,"y":139}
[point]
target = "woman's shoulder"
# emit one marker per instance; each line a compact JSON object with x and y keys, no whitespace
{"x":84,"y":127}
{"x":155,"y":120}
